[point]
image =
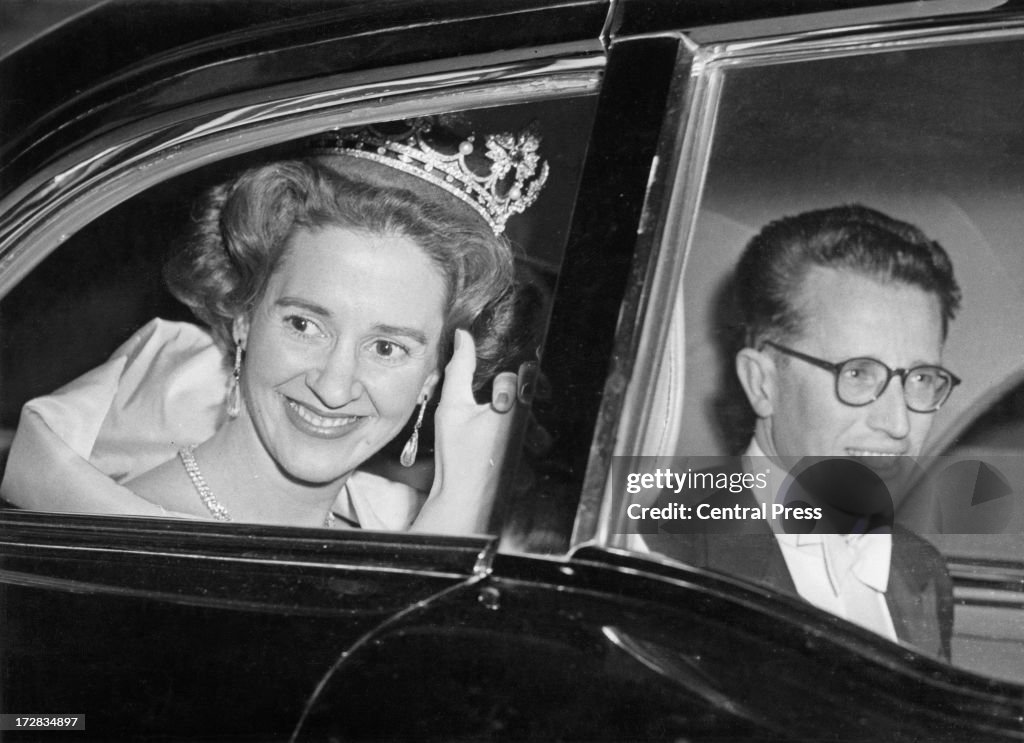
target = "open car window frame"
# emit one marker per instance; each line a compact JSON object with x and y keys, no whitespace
{"x":106,"y":171}
{"x":645,"y":416}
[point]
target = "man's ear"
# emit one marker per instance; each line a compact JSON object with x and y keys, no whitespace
{"x":240,"y":330}
{"x":756,"y":371}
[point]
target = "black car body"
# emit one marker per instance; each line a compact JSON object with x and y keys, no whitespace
{"x":552,"y":626}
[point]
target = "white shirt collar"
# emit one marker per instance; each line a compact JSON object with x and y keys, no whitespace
{"x":871,"y":554}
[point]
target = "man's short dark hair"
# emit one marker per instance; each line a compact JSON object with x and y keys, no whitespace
{"x":853,"y":238}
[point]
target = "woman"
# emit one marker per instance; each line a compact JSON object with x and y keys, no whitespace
{"x":341,"y":285}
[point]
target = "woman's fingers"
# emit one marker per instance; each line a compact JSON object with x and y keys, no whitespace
{"x":507,"y":389}
{"x":504,"y":391}
{"x":458,"y":375}
{"x":527,"y":382}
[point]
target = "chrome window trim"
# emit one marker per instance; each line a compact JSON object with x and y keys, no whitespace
{"x":104,"y":172}
{"x":6,"y":576}
{"x":681,"y":145}
{"x":856,"y":40}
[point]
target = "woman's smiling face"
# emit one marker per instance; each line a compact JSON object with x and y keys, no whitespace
{"x":340,"y":348}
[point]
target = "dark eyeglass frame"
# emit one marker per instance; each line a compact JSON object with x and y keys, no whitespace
{"x":836,"y":369}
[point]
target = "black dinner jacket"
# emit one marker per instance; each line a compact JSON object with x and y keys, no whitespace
{"x":919,"y":594}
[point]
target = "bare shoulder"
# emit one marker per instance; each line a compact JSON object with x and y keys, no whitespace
{"x":168,"y":485}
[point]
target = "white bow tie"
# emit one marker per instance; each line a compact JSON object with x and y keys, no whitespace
{"x":864,"y":557}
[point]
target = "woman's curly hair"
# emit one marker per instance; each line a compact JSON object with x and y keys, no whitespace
{"x":242,"y":228}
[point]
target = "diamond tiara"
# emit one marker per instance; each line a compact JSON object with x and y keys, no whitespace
{"x":503,"y":180}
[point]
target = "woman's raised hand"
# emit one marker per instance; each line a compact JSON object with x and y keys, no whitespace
{"x":470,"y":443}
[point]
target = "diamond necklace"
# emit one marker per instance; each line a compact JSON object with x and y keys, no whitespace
{"x":214,"y":506}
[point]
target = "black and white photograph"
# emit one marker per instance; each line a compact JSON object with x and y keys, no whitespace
{"x":511,"y":370}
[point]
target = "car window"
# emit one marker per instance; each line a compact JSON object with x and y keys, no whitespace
{"x":923,"y":129}
{"x":104,"y":282}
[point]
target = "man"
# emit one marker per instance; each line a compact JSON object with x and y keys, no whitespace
{"x":845,"y":313}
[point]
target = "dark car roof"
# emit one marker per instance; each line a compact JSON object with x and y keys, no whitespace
{"x":121,"y":59}
{"x":117,"y":49}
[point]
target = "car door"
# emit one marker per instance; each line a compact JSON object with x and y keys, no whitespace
{"x":614,"y":641}
{"x":909,"y":111}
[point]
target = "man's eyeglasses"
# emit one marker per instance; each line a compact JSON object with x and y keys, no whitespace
{"x":861,"y":381}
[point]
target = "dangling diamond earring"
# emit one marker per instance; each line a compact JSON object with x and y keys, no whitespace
{"x":234,"y":386}
{"x":408,"y":458}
